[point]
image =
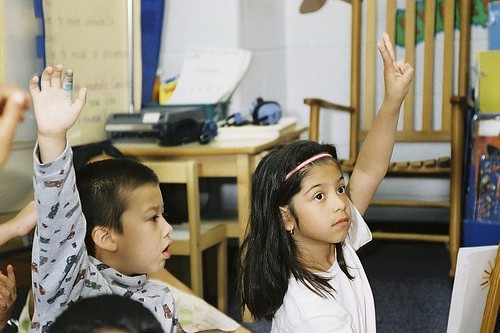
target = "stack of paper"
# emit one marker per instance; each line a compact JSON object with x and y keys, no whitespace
{"x":209,"y":76}
{"x":256,"y":132}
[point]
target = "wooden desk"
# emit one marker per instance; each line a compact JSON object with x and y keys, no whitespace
{"x":218,"y":159}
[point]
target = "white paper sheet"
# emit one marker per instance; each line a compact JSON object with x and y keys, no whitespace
{"x":209,"y":76}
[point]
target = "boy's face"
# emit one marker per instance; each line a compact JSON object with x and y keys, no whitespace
{"x":143,"y":246}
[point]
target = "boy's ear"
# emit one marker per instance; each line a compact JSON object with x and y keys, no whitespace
{"x":103,"y":238}
{"x":287,"y":218}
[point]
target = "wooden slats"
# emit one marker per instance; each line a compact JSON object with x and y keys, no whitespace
{"x":410,"y":28}
{"x":439,"y":167}
{"x":391,"y":20}
{"x":448,"y":60}
{"x":410,"y":203}
{"x":417,"y":136}
{"x":369,"y":94}
{"x":356,"y":18}
{"x":428,"y":93}
{"x":438,"y":53}
{"x":411,"y":236}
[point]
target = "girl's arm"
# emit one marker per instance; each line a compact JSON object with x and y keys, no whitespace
{"x":376,"y":151}
{"x":13,"y":103}
{"x":20,"y":225}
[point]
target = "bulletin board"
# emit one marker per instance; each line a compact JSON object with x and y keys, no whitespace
{"x":94,"y":40}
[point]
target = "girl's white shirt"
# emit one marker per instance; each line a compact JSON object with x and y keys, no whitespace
{"x":352,"y":308}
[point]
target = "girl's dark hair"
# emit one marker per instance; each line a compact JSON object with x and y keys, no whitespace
{"x":104,"y":187}
{"x":82,"y":154}
{"x":268,"y":254}
{"x":106,"y":312}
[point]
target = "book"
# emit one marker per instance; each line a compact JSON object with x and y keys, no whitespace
{"x":486,"y":163}
{"x":245,"y":132}
{"x":488,"y":82}
{"x":470,"y":288}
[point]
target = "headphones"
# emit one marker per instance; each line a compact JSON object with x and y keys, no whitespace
{"x":265,"y":112}
{"x":262,"y":113}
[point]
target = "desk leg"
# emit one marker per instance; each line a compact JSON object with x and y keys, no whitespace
{"x":243,"y":181}
{"x":244,"y":186}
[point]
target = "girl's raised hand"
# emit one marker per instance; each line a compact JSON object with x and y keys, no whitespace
{"x":397,"y":74}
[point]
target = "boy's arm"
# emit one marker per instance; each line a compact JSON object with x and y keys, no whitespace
{"x":55,"y":111}
{"x":376,"y":151}
{"x":59,"y":238}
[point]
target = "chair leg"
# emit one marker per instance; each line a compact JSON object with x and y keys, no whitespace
{"x":222,"y":276}
{"x":196,"y":267}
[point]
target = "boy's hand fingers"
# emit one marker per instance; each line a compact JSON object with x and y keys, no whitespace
{"x":46,"y":78}
{"x":55,"y":80}
{"x":68,"y":82}
{"x":33,"y":85}
{"x":80,"y":100}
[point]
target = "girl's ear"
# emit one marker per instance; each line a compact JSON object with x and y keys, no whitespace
{"x":287,"y":219}
{"x":103,"y":238}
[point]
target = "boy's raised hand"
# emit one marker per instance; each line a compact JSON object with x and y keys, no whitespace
{"x":55,"y":111}
{"x":397,"y":75}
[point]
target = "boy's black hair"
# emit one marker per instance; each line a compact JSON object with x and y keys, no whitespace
{"x":104,"y":187}
{"x":106,"y":312}
{"x":268,"y":254}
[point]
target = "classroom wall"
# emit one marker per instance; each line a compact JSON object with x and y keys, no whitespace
{"x":294,"y":56}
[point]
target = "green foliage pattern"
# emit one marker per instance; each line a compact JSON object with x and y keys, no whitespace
{"x":479,"y":18}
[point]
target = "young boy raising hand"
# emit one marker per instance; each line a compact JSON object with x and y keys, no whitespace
{"x":101,"y":235}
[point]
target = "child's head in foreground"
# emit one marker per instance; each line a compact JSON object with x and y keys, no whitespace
{"x":106,"y":314}
{"x":299,"y":202}
{"x":123,"y":206}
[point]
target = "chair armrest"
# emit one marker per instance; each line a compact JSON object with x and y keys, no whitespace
{"x":327,"y":105}
{"x":462,"y":101}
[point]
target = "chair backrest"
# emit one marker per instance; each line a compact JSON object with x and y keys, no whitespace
{"x":183,"y":172}
{"x":426,"y":34}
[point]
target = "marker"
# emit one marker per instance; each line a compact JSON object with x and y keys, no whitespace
{"x":68,"y":82}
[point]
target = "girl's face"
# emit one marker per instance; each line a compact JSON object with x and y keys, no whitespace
{"x":322,"y":209}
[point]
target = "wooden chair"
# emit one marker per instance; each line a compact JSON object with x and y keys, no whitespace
{"x":414,"y":126}
{"x":191,"y":238}
{"x":493,"y":299}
